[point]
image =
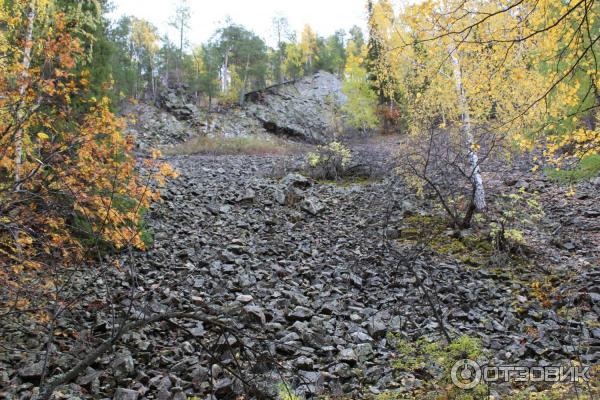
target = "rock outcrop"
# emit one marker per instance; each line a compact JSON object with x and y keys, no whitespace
{"x":176,"y":102}
{"x":233,"y":122}
{"x":154,"y":127}
{"x":307,"y":108}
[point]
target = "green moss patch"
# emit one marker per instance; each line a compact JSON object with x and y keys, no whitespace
{"x":472,"y":248}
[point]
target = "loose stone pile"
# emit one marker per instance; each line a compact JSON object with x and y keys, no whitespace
{"x":302,"y":273}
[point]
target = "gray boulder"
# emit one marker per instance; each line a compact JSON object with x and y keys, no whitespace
{"x":295,"y":181}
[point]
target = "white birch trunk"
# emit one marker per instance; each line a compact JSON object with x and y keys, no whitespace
{"x":243,"y":91}
{"x":479,"y":195}
{"x":22,"y":92}
{"x":225,"y":74}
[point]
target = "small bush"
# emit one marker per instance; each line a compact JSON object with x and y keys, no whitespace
{"x":329,"y":162}
{"x":516,"y":212}
{"x":88,"y":230}
{"x":440,"y":168}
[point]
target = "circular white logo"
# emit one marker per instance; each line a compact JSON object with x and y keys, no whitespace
{"x":466,"y":374}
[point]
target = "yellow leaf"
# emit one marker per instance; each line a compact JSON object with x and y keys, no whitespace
{"x":25,"y":240}
{"x":43,"y":136}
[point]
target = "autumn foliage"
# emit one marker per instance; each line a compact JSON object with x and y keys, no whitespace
{"x":69,"y":182}
{"x":528,"y":70}
{"x":476,"y":80}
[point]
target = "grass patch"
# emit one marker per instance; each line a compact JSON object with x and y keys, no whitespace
{"x":349,"y":181}
{"x":286,"y":393}
{"x":220,"y":145}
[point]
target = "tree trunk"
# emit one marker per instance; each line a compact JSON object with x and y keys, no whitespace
{"x":153,"y":88}
{"x":476,"y":180}
{"x":208,"y":127}
{"x":166,"y":76}
{"x":180,"y":60}
{"x":138,"y":82}
{"x":22,"y":89}
{"x":225,"y":74}
{"x":152,"y":81}
{"x":279,"y":55}
{"x":243,"y":91}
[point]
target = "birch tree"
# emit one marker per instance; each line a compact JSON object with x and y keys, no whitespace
{"x":455,"y":92}
{"x":477,"y":181}
{"x":308,"y":45}
{"x":28,"y":44}
{"x":537,"y":60}
{"x":181,"y":22}
{"x":144,"y":41}
{"x":480,"y":76}
{"x":360,"y":107}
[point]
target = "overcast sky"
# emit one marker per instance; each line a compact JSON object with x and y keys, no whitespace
{"x":325,"y":16}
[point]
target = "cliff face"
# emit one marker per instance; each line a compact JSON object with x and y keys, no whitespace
{"x":307,"y":108}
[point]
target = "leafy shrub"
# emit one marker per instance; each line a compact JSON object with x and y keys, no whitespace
{"x":516,"y":212}
{"x":360,"y":107}
{"x":439,"y":167}
{"x":69,"y":178}
{"x":329,"y":162}
{"x":88,"y":231}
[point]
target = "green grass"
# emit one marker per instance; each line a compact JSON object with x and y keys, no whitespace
{"x":285,"y":393}
{"x":432,"y":362}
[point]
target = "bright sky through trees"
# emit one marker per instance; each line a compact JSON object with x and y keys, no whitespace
{"x":324,"y":16}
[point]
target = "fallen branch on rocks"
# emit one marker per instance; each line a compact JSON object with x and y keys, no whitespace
{"x":252,"y":389}
{"x":48,"y":389}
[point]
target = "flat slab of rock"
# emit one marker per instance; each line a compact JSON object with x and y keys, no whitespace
{"x":32,"y":371}
{"x":125,"y":394}
{"x":312,"y":205}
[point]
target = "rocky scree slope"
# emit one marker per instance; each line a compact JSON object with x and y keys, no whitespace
{"x":301,"y":270}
